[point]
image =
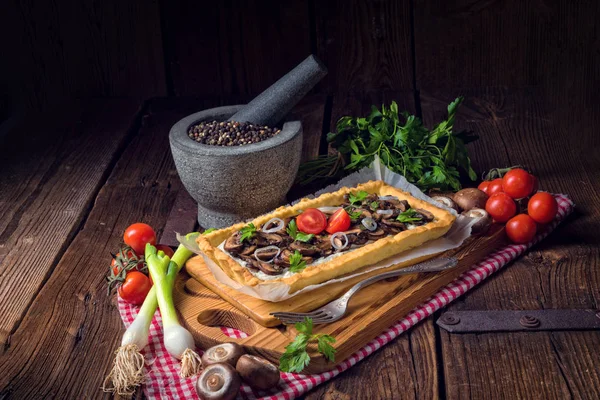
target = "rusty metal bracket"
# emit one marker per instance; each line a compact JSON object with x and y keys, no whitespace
{"x":511,"y":321}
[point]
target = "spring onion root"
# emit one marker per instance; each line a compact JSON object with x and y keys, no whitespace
{"x":178,"y":341}
{"x":127,"y":372}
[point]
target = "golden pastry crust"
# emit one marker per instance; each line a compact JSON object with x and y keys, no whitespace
{"x":349,"y":261}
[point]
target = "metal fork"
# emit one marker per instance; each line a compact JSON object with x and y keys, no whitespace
{"x":336,"y":309}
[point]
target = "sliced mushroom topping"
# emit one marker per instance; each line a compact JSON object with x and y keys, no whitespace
{"x":283,"y":259}
{"x":248,"y":251}
{"x":376,"y":235}
{"x":304,"y":248}
{"x":371,"y":198}
{"x":393,"y":223}
{"x":233,"y":244}
{"x":269,"y":269}
{"x":403,"y":205}
{"x":360,"y":240}
{"x":267,"y":254}
{"x":268,"y":238}
{"x":324,"y":244}
{"x":426,"y":214}
{"x":354,"y":231}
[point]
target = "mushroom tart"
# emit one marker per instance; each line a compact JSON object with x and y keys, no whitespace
{"x":324,"y":238}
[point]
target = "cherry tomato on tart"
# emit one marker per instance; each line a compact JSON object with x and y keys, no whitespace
{"x":338,"y":222}
{"x":312,"y":221}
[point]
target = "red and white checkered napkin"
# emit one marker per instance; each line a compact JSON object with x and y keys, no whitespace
{"x":163,"y":380}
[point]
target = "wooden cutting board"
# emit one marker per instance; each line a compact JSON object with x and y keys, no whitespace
{"x":206,"y":307}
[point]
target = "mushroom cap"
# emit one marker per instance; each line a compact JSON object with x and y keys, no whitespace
{"x":484,"y":220}
{"x":470,"y":198}
{"x":447,"y":201}
{"x":257,"y":372}
{"x":223,"y":353}
{"x":218,"y":381}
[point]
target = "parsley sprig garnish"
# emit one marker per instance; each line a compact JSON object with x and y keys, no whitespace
{"x":357,"y":199}
{"x":296,"y":358}
{"x":297,"y":264}
{"x":434,"y":157}
{"x":353,"y":214}
{"x":247,"y":232}
{"x":295,"y":234}
{"x":408,"y":216}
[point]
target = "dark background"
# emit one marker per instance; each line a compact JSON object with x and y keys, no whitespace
{"x":63,"y":50}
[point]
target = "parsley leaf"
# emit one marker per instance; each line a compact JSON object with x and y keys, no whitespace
{"x":374,"y":205}
{"x":248,"y":232}
{"x":295,"y":234}
{"x":357,"y":199}
{"x":353,"y":214}
{"x":409,"y":216}
{"x":324,"y":346}
{"x":297,"y":264}
{"x":296,"y":358}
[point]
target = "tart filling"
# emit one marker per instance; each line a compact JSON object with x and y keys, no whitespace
{"x":276,"y":250}
{"x":280,"y":248}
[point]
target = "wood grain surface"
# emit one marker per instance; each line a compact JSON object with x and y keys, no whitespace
{"x":370,"y":311}
{"x":49,"y":180}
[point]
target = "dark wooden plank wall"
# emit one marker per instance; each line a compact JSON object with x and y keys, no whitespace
{"x":140,"y":49}
{"x":56,"y":51}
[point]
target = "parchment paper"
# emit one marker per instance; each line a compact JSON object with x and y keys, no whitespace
{"x":277,"y":291}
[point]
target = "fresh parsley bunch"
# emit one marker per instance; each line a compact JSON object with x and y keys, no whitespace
{"x":296,"y":358}
{"x":427,"y":158}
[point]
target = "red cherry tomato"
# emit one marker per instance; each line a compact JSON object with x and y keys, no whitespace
{"x":495,"y":186}
{"x":542,"y":207}
{"x":338,"y":222}
{"x":311,"y":221}
{"x":135,"y":288}
{"x":521,"y":229}
{"x":137,"y":235}
{"x":166,"y":249}
{"x":501,"y":207}
{"x":484,"y":187}
{"x":517,"y":183}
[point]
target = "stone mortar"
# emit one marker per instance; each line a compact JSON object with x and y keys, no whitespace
{"x":232,"y":184}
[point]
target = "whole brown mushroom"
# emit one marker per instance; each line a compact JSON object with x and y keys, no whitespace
{"x":218,"y":381}
{"x":447,"y":201}
{"x":257,"y":372}
{"x":470,"y":198}
{"x":223,"y":353}
{"x":483,"y":223}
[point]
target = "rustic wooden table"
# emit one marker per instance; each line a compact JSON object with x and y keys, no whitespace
{"x":71,"y":181}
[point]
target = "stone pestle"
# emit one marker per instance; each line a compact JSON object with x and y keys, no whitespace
{"x":272,"y":105}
